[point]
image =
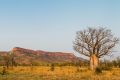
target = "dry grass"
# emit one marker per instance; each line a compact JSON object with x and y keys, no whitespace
{"x":60,"y":73}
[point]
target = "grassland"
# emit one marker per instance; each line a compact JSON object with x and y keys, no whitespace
{"x":60,"y":73}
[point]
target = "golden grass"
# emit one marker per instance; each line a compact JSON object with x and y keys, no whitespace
{"x":60,"y":73}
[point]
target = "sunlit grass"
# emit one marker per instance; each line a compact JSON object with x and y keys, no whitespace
{"x":60,"y":73}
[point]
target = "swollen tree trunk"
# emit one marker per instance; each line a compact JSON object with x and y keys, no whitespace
{"x":94,"y":62}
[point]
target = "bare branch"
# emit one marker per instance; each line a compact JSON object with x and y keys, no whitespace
{"x":98,"y":41}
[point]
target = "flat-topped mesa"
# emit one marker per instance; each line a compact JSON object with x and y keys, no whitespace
{"x":42,"y":52}
{"x":23,"y":50}
{"x":18,"y":48}
{"x":60,"y":54}
{"x":25,"y":56}
{"x":15,"y":49}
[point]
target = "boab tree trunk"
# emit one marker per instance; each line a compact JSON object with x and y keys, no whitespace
{"x":94,"y":62}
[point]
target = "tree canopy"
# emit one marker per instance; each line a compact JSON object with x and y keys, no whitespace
{"x":99,"y":41}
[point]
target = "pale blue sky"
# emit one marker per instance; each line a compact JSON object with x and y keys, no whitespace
{"x":51,"y":24}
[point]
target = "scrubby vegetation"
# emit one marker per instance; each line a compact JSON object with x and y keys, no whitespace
{"x":109,"y":70}
{"x":59,"y":73}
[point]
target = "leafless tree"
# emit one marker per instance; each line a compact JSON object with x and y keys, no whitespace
{"x":94,"y":43}
{"x":9,"y":59}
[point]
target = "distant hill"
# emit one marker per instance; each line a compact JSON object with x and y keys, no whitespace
{"x":28,"y":56}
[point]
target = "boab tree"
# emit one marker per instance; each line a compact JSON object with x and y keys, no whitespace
{"x":94,"y":43}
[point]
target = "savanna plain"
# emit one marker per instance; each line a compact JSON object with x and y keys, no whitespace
{"x":57,"y":73}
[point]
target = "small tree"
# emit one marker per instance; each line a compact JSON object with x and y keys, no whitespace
{"x":12,"y":59}
{"x":94,"y":43}
{"x":118,"y":61}
{"x":7,"y":60}
{"x":4,"y":71}
{"x":114,"y":62}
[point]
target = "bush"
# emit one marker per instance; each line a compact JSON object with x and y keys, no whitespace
{"x":4,"y":71}
{"x":52,"y":67}
{"x":98,"y":70}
